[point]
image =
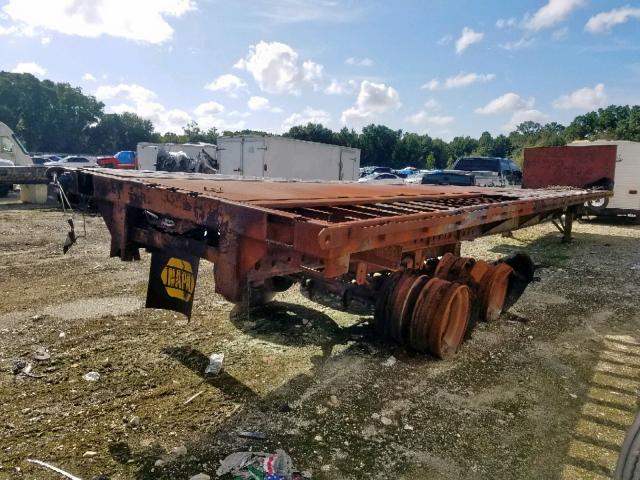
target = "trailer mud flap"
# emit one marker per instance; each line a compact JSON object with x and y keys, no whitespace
{"x":172,"y":281}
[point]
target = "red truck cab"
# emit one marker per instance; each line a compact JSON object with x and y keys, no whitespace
{"x":124,"y":160}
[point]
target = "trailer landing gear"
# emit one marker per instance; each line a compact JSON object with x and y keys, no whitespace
{"x":565,"y":226}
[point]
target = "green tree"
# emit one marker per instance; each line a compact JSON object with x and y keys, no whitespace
{"x":431,"y":161}
{"x":378,"y":143}
{"x":115,"y":132}
{"x":411,"y":150}
{"x":312,"y":132}
{"x":461,"y":147}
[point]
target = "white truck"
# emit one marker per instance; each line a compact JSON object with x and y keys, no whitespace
{"x":626,"y":186}
{"x":11,"y":149}
{"x":282,"y":157}
{"x":13,"y":154}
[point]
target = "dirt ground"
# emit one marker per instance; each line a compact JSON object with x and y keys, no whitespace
{"x":545,"y":393}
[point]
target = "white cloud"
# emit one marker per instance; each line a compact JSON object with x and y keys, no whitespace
{"x":467,"y":38}
{"x":276,"y":69}
{"x":551,"y":14}
{"x":605,"y":21}
{"x":208,"y":108}
{"x":45,"y":40}
{"x":236,"y":113}
{"x":133,"y":92}
{"x":359,"y":62}
{"x":92,"y":19}
{"x":312,"y":73}
{"x":459,"y":81}
{"x":87,"y":77}
{"x":431,"y":104}
{"x":296,"y":11}
{"x":582,"y":99}
{"x":524,"y":42}
{"x":432,"y":84}
{"x":308,"y":115}
{"x":560,"y":34}
{"x":256,"y":104}
{"x":337,"y":87}
{"x":140,"y":100}
{"x":446,"y":40}
{"x":466,"y":79}
{"x":506,"y":22}
{"x":507,"y":103}
{"x":423,"y":117}
{"x":30,"y":67}
{"x":373,"y":99}
{"x":524,"y":116}
{"x":227,"y":83}
{"x":211,"y":121}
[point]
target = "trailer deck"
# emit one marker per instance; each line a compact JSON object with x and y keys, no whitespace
{"x":376,"y":241}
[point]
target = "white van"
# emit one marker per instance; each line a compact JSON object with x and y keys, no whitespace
{"x":626,"y":187}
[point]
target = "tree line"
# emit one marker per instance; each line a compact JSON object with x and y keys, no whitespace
{"x":56,"y":117}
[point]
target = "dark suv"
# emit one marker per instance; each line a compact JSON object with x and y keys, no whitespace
{"x":505,"y":167}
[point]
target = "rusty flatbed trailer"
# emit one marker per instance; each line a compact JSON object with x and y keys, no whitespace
{"x":24,"y":175}
{"x":393,"y":244}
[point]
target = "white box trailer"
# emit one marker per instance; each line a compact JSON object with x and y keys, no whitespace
{"x":626,"y":181}
{"x":148,"y":152}
{"x":282,"y":157}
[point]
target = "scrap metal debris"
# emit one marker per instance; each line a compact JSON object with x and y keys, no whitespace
{"x":22,"y":367}
{"x":259,"y":465}
{"x":252,"y":435}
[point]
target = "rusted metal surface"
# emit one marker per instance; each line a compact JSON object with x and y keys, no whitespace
{"x":253,"y":230}
{"x":23,"y":175}
{"x":489,"y":283}
{"x":574,"y":166}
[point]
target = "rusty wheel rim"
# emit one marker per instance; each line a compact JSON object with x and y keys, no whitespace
{"x":408,"y":307}
{"x":380,"y":313}
{"x":448,"y":328}
{"x":444,"y":265}
{"x":479,"y":270}
{"x":423,"y":313}
{"x":495,"y":291}
{"x":461,"y":269}
{"x":396,"y":304}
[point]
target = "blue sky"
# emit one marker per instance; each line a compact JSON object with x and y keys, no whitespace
{"x":443,"y":67}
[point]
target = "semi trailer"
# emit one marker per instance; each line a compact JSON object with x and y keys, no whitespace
{"x":395,"y":247}
{"x":282,"y":157}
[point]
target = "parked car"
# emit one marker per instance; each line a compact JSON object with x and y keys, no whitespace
{"x":449,"y":177}
{"x":507,"y":170}
{"x":366,"y":171}
{"x":42,"y":159}
{"x":386,"y":178}
{"x":72,"y":161}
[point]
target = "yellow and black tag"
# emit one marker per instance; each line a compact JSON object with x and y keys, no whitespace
{"x":172,"y":281}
